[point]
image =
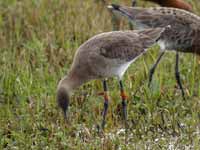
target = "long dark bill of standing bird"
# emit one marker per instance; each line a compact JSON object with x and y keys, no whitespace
{"x":102,"y":56}
{"x":184,"y":35}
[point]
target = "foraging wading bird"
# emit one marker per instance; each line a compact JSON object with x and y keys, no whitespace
{"x":103,"y":56}
{"x":173,"y":3}
{"x":184,"y":35}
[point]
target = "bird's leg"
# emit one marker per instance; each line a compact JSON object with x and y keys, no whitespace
{"x":177,"y":74}
{"x":124,"y":103}
{"x":105,"y":104}
{"x":152,"y":70}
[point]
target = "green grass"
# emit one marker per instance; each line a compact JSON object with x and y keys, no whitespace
{"x":38,"y":39}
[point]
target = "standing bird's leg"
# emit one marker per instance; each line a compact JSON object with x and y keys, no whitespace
{"x":124,"y":103}
{"x":105,"y":110}
{"x":152,"y":70}
{"x":177,"y":74}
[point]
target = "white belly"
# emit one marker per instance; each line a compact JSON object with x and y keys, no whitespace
{"x":162,"y":45}
{"x":120,"y":69}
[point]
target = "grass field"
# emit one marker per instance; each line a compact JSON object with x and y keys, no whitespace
{"x":38,"y":39}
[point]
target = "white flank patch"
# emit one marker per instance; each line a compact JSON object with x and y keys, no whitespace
{"x":162,"y":45}
{"x":109,"y":6}
{"x":122,"y":68}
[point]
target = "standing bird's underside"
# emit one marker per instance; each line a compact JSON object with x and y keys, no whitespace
{"x":184,"y":35}
{"x":103,"y":56}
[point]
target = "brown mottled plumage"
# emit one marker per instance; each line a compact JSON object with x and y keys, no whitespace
{"x":105,"y":55}
{"x":184,"y":35}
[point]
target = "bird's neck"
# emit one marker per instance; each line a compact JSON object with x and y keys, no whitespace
{"x":71,"y":82}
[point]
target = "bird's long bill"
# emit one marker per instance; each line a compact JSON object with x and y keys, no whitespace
{"x":122,"y":10}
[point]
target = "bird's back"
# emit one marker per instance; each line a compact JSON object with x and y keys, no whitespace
{"x":185,"y":26}
{"x":105,"y":52}
{"x":119,"y":44}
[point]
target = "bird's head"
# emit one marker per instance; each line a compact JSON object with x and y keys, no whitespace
{"x":63,"y":98}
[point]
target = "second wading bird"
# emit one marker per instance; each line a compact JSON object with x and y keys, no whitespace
{"x":106,"y":55}
{"x":184,"y":35}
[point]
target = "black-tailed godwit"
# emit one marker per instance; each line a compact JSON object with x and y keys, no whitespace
{"x":102,"y":56}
